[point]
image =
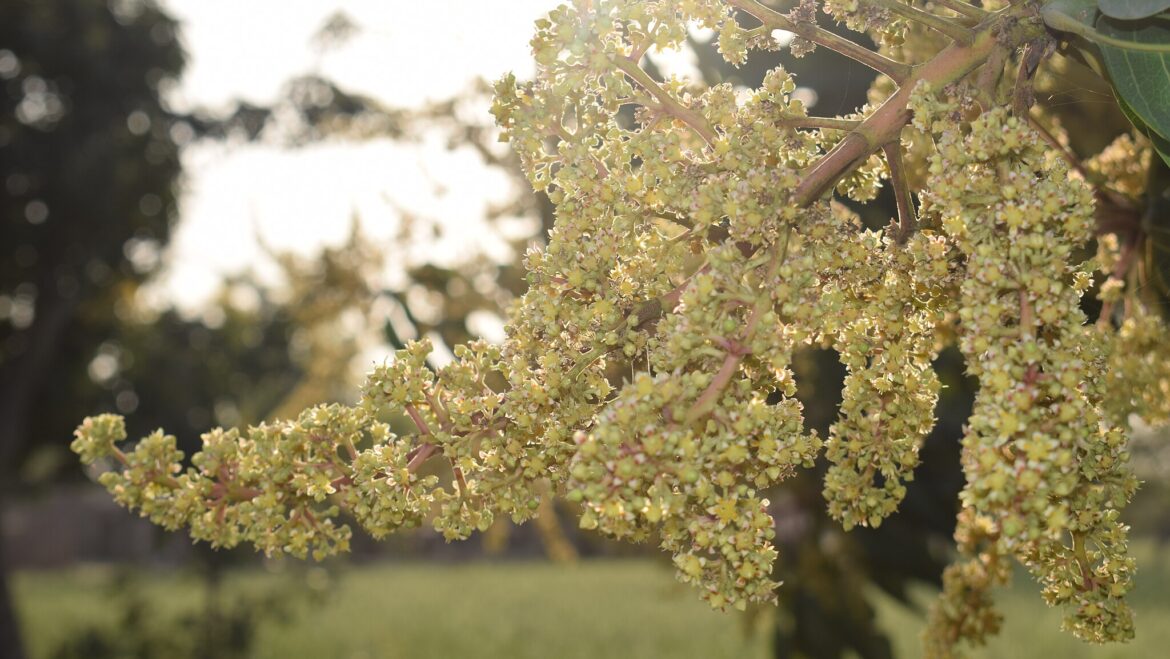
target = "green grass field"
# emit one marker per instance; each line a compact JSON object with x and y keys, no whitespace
{"x":520,"y":610}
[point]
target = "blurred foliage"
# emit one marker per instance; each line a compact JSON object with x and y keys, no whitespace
{"x":226,"y":626}
{"x":88,"y":164}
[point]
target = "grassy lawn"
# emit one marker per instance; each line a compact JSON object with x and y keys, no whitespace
{"x":421,"y":611}
{"x":520,"y":610}
{"x":1032,"y":630}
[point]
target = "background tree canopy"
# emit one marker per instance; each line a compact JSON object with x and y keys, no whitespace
{"x":89,"y":167}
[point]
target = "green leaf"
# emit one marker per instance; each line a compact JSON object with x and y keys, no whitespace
{"x":1141,"y":79}
{"x":1161,"y":144}
{"x":1078,"y":17}
{"x":1132,"y":10}
{"x":1073,"y":16}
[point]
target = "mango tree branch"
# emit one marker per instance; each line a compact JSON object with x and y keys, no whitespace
{"x":774,"y":20}
{"x":669,"y":104}
{"x":1010,"y":27}
{"x":963,"y":9}
{"x":829,"y":123}
{"x":706,"y":401}
{"x":939,"y":24}
{"x":424,"y":452}
{"x":907,"y":221}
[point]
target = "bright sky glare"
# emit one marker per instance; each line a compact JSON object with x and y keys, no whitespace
{"x":406,"y":53}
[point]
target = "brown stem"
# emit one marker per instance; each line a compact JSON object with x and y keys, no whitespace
{"x":437,"y":407}
{"x":638,"y":51}
{"x":668,"y":103}
{"x":1055,"y":144}
{"x":423,"y":453}
{"x":989,"y":77}
{"x":774,"y":20}
{"x":825,"y":173}
{"x":224,"y":492}
{"x":710,"y":396}
{"x":1082,"y":559}
{"x":706,"y":401}
{"x":886,"y":123}
{"x":460,"y":481}
{"x":939,"y":24}
{"x":419,"y":422}
{"x":907,"y":221}
{"x":825,"y":123}
{"x":1027,"y":315}
{"x":962,"y":8}
{"x":1120,"y":269}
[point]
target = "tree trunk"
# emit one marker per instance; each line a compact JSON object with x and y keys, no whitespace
{"x":23,"y":377}
{"x":21,"y":381}
{"x":11,"y":646}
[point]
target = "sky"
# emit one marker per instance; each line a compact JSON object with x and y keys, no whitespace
{"x":302,"y":199}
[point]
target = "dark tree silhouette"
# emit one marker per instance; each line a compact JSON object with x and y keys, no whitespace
{"x":88,"y":166}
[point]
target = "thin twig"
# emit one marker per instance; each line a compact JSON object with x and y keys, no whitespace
{"x":774,"y":20}
{"x":885,"y":124}
{"x":1098,"y":183}
{"x":992,"y":73}
{"x":418,"y":420}
{"x":668,"y":103}
{"x":907,"y":219}
{"x":1120,"y":271}
{"x":939,"y":24}
{"x":824,"y":123}
{"x":1068,"y":156}
{"x":710,"y":396}
{"x":962,"y":8}
{"x":424,"y":453}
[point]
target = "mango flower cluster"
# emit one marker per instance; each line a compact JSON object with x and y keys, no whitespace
{"x":646,"y":375}
{"x":1045,"y":463}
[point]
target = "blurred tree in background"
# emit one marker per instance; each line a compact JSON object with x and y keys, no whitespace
{"x":88,"y":167}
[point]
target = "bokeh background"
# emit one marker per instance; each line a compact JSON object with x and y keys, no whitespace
{"x":216,"y":213}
